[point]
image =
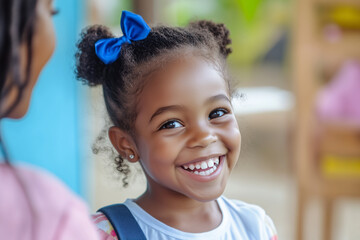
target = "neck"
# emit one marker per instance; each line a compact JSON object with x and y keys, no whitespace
{"x":179,"y":211}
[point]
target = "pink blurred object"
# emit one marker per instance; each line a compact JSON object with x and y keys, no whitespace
{"x":339,"y":101}
{"x":35,"y":205}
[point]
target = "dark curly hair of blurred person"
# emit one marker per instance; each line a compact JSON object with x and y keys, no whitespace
{"x":123,"y":79}
{"x":17,"y":23}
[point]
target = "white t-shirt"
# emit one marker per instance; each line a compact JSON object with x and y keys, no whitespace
{"x":240,"y":221}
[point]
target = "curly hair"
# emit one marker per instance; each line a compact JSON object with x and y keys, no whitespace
{"x":122,"y":80}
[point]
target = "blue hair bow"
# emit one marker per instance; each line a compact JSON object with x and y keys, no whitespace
{"x":134,"y":28}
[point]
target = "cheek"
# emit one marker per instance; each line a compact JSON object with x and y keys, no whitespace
{"x":157,"y":156}
{"x":43,"y":44}
{"x":161,"y":148}
{"x":147,"y":149}
{"x":230,"y":133}
{"x":232,"y":139}
{"x":236,"y":137}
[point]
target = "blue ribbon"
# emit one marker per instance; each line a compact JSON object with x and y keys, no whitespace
{"x":134,"y":28}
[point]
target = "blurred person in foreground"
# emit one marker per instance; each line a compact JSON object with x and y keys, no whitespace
{"x":33,"y":204}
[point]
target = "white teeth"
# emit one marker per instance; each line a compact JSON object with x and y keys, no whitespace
{"x":207,"y":172}
{"x":204,"y":165}
{"x":210,"y":163}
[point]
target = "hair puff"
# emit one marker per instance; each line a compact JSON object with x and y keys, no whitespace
{"x":89,"y":68}
{"x":219,"y":31}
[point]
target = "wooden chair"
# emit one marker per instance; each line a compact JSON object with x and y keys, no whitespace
{"x":334,"y":171}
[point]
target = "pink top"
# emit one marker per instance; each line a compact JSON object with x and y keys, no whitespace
{"x":57,"y":213}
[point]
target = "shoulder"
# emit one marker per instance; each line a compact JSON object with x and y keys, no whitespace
{"x":57,"y":209}
{"x":252,"y":217}
{"x":36,"y":180}
{"x":43,"y":188}
{"x":104,"y":228}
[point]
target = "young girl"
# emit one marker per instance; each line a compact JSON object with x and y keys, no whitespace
{"x":168,"y":95}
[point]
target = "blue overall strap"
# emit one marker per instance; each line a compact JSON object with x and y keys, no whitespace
{"x":123,"y":222}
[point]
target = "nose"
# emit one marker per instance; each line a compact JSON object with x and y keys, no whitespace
{"x":201,"y":136}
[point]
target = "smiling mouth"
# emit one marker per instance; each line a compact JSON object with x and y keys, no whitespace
{"x":203,"y":168}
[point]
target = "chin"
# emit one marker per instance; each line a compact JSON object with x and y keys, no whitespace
{"x":17,"y":114}
{"x":207,"y":196}
{"x":21,"y":108}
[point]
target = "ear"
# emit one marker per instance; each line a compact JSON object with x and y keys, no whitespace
{"x":123,"y":143}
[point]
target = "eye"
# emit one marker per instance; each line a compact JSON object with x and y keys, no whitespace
{"x":171,"y":124}
{"x":54,"y":12}
{"x":217,"y":113}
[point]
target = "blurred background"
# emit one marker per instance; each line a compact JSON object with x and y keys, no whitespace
{"x":297,"y":66}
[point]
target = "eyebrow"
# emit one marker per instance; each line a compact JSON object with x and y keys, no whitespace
{"x":218,"y":98}
{"x":166,"y":109}
{"x":175,"y":108}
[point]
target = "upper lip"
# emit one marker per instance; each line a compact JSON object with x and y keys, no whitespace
{"x":203,"y":158}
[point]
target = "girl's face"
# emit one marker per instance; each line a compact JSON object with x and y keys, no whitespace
{"x":187,"y":137}
{"x":42,"y":48}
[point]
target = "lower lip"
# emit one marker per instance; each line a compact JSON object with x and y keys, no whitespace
{"x":202,"y":178}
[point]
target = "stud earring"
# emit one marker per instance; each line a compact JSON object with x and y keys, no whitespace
{"x":131,"y":156}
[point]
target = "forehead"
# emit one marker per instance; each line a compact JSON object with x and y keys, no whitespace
{"x":182,"y":82}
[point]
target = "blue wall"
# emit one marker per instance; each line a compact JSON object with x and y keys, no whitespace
{"x":49,"y":135}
